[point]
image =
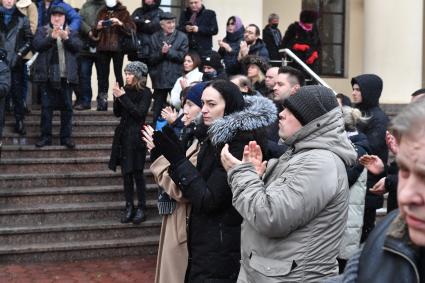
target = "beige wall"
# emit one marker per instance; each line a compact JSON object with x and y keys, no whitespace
{"x":393,"y":46}
{"x":288,"y":11}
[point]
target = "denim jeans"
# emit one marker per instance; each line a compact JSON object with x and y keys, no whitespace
{"x":86,"y":67}
{"x":104,"y":61}
{"x":61,"y":99}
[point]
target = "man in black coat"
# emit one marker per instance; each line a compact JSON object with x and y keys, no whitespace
{"x":367,"y":90}
{"x":15,"y":29}
{"x":167,"y":48}
{"x":272,"y":37}
{"x":56,"y":71}
{"x":200,"y":25}
{"x":4,"y":87}
{"x":147,"y":20}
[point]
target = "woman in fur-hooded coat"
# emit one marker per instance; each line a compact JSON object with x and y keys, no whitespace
{"x":214,"y":224}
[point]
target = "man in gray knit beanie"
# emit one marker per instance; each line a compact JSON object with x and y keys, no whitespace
{"x":294,"y":207}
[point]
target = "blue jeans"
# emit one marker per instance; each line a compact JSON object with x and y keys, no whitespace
{"x":86,"y":67}
{"x":61,"y":99}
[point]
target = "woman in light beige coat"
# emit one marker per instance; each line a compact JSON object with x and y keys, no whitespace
{"x":172,"y":252}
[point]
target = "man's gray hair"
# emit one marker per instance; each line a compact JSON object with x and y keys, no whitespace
{"x":273,"y":16}
{"x":411,"y":120}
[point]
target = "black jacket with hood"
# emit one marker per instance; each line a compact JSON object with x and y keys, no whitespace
{"x":215,"y":225}
{"x":4,"y":85}
{"x":375,"y":128}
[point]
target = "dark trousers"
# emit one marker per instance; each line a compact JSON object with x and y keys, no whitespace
{"x":368,"y":222}
{"x":104,"y":60}
{"x":129,"y":179}
{"x":159,"y":102}
{"x":86,"y":67}
{"x":61,"y":99}
{"x":16,"y":93}
{"x":2,"y":113}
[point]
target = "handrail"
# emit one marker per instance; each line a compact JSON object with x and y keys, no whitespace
{"x":305,"y":67}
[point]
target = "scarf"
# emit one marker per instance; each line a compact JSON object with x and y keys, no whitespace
{"x":276,"y":35}
{"x":7,"y":14}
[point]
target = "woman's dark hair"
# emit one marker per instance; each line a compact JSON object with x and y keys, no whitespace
{"x":232,"y":19}
{"x":195,"y":58}
{"x":231,"y":95}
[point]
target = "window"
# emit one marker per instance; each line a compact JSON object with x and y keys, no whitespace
{"x":173,"y":6}
{"x":331,"y":25}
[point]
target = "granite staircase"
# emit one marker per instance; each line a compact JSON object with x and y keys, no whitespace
{"x":62,"y":204}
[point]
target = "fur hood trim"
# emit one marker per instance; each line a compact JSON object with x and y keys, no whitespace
{"x":259,"y":112}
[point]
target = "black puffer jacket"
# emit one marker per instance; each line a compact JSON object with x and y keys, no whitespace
{"x":214,"y":227}
{"x":206,"y":20}
{"x":147,"y":20}
{"x":128,"y":149}
{"x":165,"y":69}
{"x":361,"y":144}
{"x":230,"y":59}
{"x":46,"y":67}
{"x":375,"y":128}
{"x":259,"y":49}
{"x":17,"y":37}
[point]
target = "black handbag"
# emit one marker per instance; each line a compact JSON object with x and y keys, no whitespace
{"x":130,"y":43}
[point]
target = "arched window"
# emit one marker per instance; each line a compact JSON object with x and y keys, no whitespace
{"x":331,"y":25}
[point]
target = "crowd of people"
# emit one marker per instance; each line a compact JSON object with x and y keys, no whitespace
{"x":261,"y":177}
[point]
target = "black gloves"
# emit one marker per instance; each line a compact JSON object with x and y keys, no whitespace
{"x":169,"y":145}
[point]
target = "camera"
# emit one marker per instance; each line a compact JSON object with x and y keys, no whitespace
{"x":107,"y":23}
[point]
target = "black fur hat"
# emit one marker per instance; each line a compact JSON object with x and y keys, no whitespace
{"x":255,"y":60}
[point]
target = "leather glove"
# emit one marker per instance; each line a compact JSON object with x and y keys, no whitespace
{"x":169,"y":145}
{"x":312,"y":58}
{"x":301,"y":47}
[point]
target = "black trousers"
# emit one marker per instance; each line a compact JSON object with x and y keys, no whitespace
{"x":103,"y":62}
{"x":159,"y":102}
{"x":129,"y":179}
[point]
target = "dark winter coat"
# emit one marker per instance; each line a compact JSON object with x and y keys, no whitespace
{"x":165,"y":69}
{"x":375,"y":128}
{"x":214,"y":226}
{"x":391,"y":183}
{"x":46,"y":67}
{"x":17,"y":37}
{"x":270,"y":42}
{"x":128,"y":149}
{"x":89,"y":12}
{"x":296,"y":34}
{"x":259,"y":49}
{"x":206,"y":21}
{"x":4,"y":87}
{"x":110,"y":38}
{"x":361,"y":146}
{"x":147,"y":20}
{"x":387,"y":256}
{"x":72,"y":16}
{"x":230,"y":59}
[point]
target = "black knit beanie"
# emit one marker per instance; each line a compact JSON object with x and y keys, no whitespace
{"x":311,"y":102}
{"x":231,"y":95}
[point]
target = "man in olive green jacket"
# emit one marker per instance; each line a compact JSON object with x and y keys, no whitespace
{"x":295,"y":208}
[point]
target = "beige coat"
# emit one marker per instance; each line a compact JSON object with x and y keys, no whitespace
{"x":172,"y":252}
{"x":29,"y":9}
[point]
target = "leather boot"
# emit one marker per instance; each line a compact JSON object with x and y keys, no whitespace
{"x":139,"y":217}
{"x":102,"y":102}
{"x":128,"y":214}
{"x":20,"y":127}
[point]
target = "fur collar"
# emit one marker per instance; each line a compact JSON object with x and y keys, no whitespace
{"x":259,"y":112}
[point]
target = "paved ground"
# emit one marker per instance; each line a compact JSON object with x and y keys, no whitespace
{"x":87,"y":271}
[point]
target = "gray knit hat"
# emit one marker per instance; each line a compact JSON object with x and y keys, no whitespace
{"x":311,"y":102}
{"x":138,"y":69}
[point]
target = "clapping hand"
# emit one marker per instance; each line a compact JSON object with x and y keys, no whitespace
{"x":372,"y":163}
{"x":391,"y":143}
{"x":169,"y":114}
{"x":117,"y":91}
{"x":244,"y":48}
{"x":147,"y":137}
{"x":252,"y":153}
{"x":165,"y":48}
{"x":169,"y":145}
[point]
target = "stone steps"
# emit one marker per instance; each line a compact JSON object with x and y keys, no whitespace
{"x":23,"y":197}
{"x":140,"y":246}
{"x":79,"y":138}
{"x":77,"y":126}
{"x":43,"y":214}
{"x":30,"y":151}
{"x":77,"y":116}
{"x":68,"y":179}
{"x":77,"y":232}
